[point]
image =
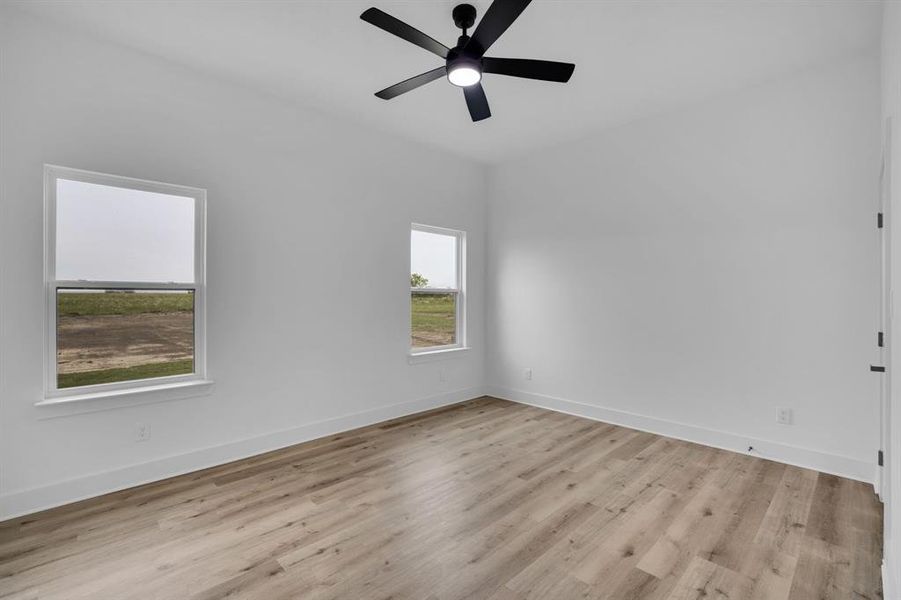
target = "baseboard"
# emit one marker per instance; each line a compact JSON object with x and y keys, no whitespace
{"x":890,"y":588}
{"x":793,"y":455}
{"x":16,"y":504}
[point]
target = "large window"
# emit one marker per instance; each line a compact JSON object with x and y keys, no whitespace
{"x":124,"y":272}
{"x":437,"y":302}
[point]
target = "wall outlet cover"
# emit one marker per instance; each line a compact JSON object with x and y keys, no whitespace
{"x":784,"y":416}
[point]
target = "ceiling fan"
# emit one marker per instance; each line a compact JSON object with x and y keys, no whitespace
{"x":466,"y":62}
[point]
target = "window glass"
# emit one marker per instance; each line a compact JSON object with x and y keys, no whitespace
{"x":112,"y":335}
{"x":107,"y":233}
{"x":433,"y":320}
{"x":433,"y":256}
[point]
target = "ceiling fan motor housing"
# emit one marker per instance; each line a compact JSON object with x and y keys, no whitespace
{"x":464,"y":16}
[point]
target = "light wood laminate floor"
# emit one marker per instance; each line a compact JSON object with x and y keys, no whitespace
{"x":485,"y":499}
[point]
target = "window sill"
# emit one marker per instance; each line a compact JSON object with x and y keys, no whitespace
{"x":433,"y":355}
{"x":110,"y":399}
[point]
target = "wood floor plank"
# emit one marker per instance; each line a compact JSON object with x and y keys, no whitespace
{"x":785,"y":522}
{"x":823,"y":572}
{"x":866,"y":569}
{"x":618,"y":553}
{"x":769,"y":571}
{"x":828,"y":521}
{"x":704,"y":580}
{"x":484,"y":499}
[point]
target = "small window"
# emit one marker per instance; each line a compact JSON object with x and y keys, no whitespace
{"x":125,"y":281}
{"x":437,"y":302}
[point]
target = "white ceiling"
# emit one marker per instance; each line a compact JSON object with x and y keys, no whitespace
{"x":633,"y":58}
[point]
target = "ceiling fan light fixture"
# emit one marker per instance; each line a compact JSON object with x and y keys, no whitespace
{"x":464,"y":76}
{"x":465,"y":63}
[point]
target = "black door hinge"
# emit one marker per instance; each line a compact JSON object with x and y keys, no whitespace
{"x":879,"y":220}
{"x":879,"y":340}
{"x":876,"y":369}
{"x":879,"y":458}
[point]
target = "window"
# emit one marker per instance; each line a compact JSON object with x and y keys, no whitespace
{"x":437,"y":301}
{"x":124,"y":274}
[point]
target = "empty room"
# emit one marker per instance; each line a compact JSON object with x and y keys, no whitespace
{"x":431,"y":300}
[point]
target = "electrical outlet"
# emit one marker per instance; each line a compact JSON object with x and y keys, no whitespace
{"x":784,"y":416}
{"x":527,"y":374}
{"x":143,"y":433}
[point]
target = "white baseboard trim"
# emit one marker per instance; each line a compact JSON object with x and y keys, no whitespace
{"x":890,"y":590}
{"x":17,"y":504}
{"x":793,"y":455}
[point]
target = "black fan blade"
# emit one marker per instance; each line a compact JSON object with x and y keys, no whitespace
{"x":383,"y":20}
{"x":545,"y":70}
{"x":411,"y":84}
{"x":499,"y":16}
{"x":477,"y":102}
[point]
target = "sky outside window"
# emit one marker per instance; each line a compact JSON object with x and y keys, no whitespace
{"x":434,"y":256}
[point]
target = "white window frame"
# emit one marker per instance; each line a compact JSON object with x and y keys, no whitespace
{"x":459,"y":291}
{"x":54,"y":395}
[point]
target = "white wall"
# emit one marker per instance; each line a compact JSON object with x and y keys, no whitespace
{"x":692,"y":272}
{"x":301,"y":207}
{"x":891,"y":109}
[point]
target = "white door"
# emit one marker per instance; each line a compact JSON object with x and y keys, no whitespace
{"x":885,"y":301}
